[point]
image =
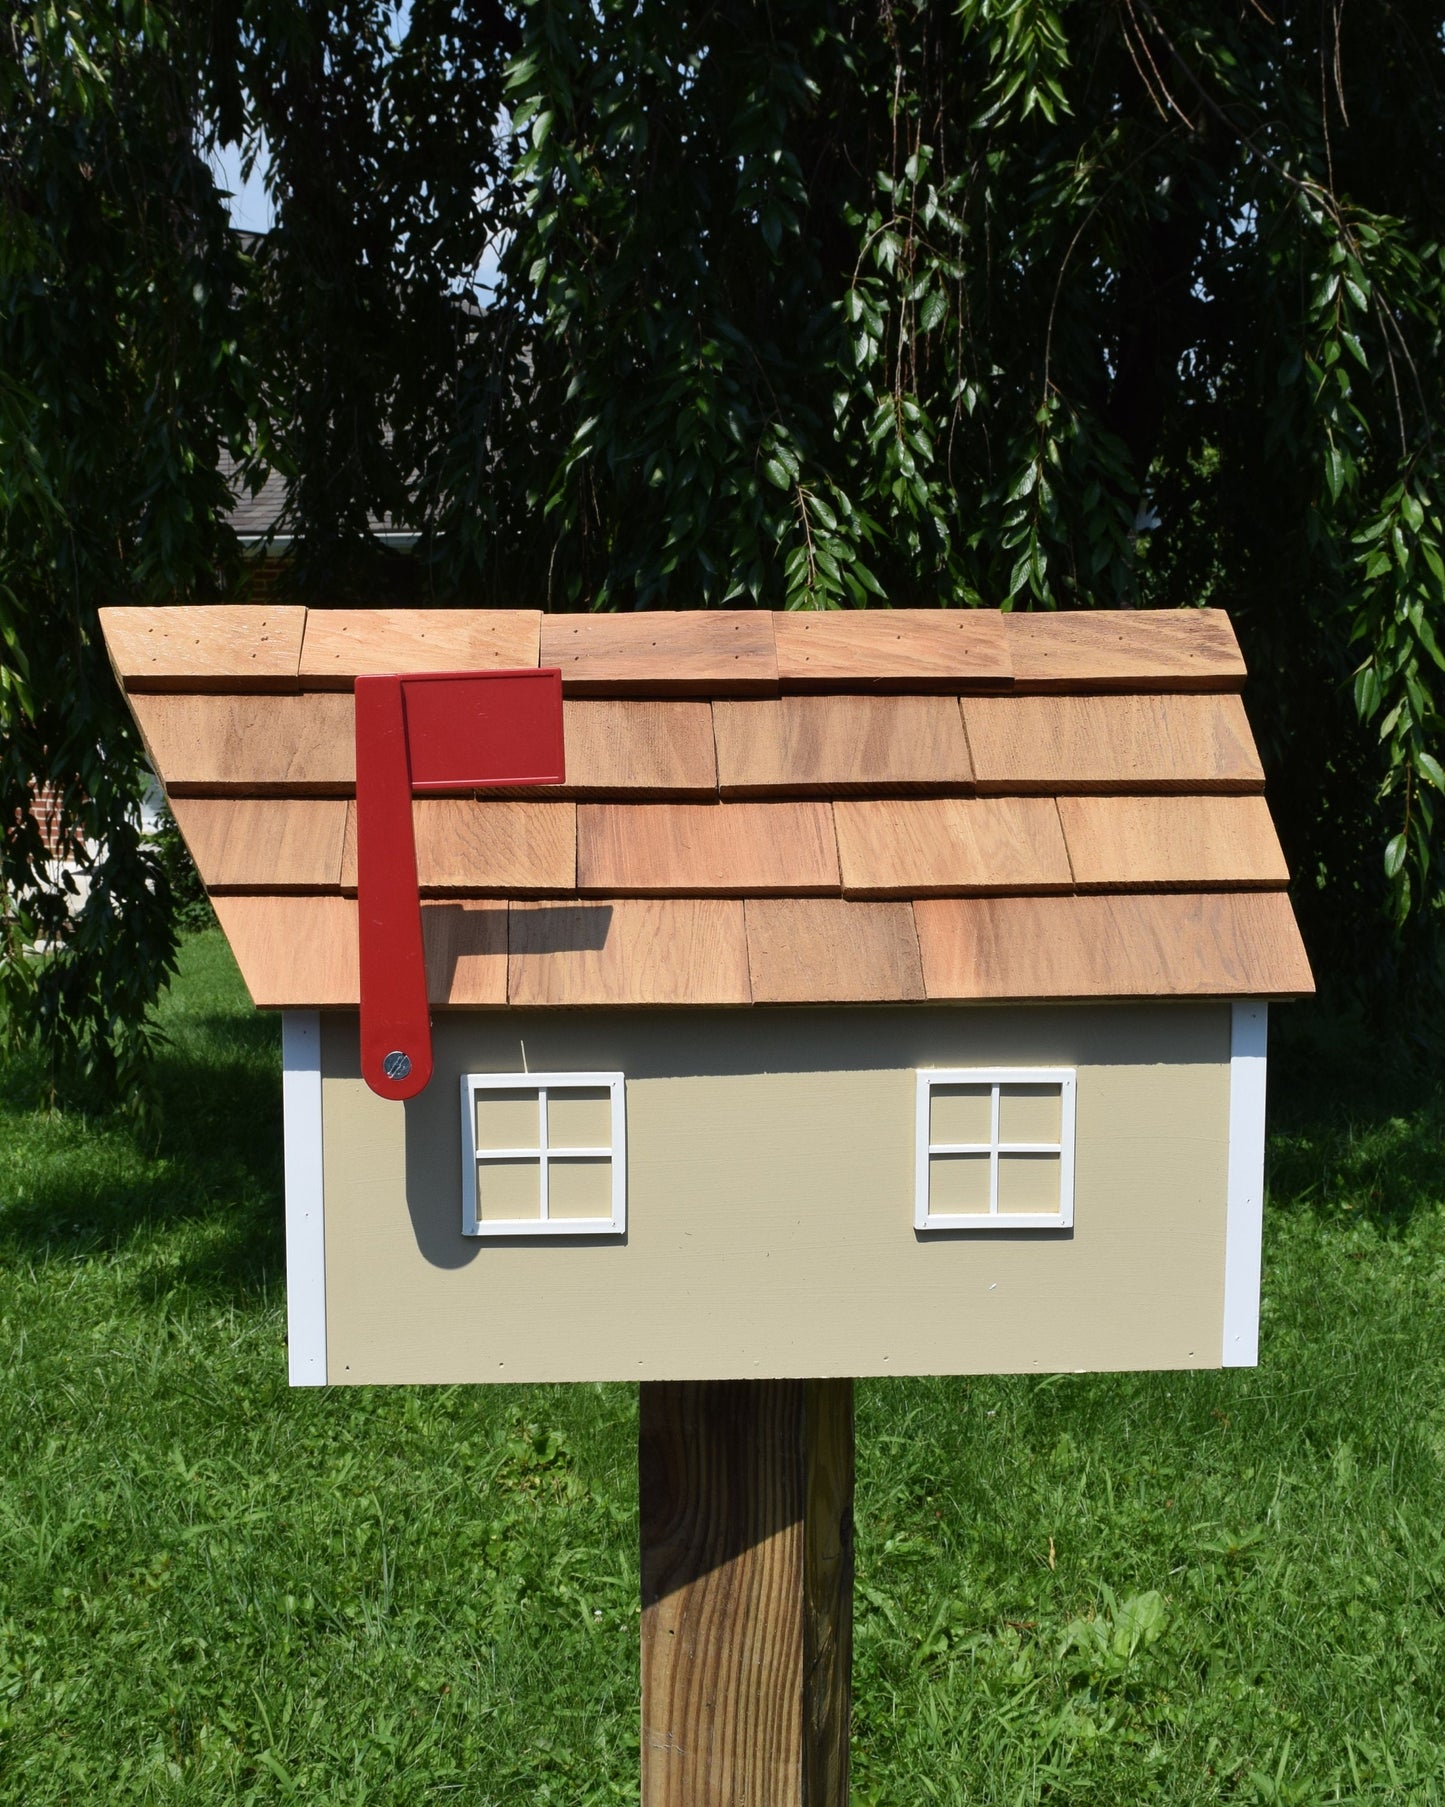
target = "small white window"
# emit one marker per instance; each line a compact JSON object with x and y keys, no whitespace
{"x":995,"y":1149}
{"x":543,"y":1154}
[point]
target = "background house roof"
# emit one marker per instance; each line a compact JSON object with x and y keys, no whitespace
{"x":261,"y":522}
{"x":898,"y":805}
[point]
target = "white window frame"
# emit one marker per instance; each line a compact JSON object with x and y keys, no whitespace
{"x":993,"y":1218}
{"x":472,"y":1156}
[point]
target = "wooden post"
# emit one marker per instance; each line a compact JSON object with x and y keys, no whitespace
{"x":747,"y":1592}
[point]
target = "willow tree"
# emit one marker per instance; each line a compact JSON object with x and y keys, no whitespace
{"x":635,"y":305}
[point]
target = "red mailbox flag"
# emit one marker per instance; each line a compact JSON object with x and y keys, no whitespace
{"x":434,"y":731}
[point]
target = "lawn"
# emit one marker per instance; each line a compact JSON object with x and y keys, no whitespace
{"x":1206,"y":1588}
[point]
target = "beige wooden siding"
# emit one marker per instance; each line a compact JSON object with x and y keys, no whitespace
{"x":770,"y":1203}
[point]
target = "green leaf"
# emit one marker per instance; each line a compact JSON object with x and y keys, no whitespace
{"x":867,"y":579}
{"x":1430,"y":770}
{"x":1334,"y":471}
{"x":1140,"y":1621}
{"x":935,"y":306}
{"x":1026,"y":481}
{"x":1355,"y":349}
{"x":1425,"y":633}
{"x":1395,"y":851}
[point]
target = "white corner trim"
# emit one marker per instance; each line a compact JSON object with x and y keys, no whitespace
{"x":305,"y":1214}
{"x":1244,"y":1220}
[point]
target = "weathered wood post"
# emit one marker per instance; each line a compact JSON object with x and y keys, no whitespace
{"x":747,"y":1592}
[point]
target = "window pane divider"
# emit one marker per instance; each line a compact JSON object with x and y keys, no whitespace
{"x":964,"y":1148}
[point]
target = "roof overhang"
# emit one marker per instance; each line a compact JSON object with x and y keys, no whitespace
{"x":921,"y":806}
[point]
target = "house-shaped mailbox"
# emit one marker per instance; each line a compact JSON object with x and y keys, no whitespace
{"x":879,"y":993}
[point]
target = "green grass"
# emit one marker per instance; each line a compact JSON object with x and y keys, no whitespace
{"x":1208,"y":1588}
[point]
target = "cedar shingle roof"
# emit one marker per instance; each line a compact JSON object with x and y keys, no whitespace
{"x":888,"y":806}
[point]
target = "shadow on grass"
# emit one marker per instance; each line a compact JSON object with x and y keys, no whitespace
{"x":1357,"y":1122}
{"x":198,"y":1198}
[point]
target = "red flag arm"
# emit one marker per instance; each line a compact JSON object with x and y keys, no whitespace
{"x":436,"y":731}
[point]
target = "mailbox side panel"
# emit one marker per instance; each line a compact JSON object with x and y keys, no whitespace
{"x":770,"y":1179}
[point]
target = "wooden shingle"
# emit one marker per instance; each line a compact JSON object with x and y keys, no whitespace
{"x":892,"y":649}
{"x":485,"y":847}
{"x":639,"y":746}
{"x":205,"y":646}
{"x":258,"y":746}
{"x":729,"y":849}
{"x":466,"y":953}
{"x":294,"y":952}
{"x":950,"y":845}
{"x":824,"y":950}
{"x":1124,"y":649}
{"x":1059,"y":744}
{"x":1189,"y":843}
{"x":628,"y":950}
{"x":344,"y":644}
{"x":709,"y":652}
{"x":831,"y":745}
{"x":264,"y":843}
{"x":1144,"y":945}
